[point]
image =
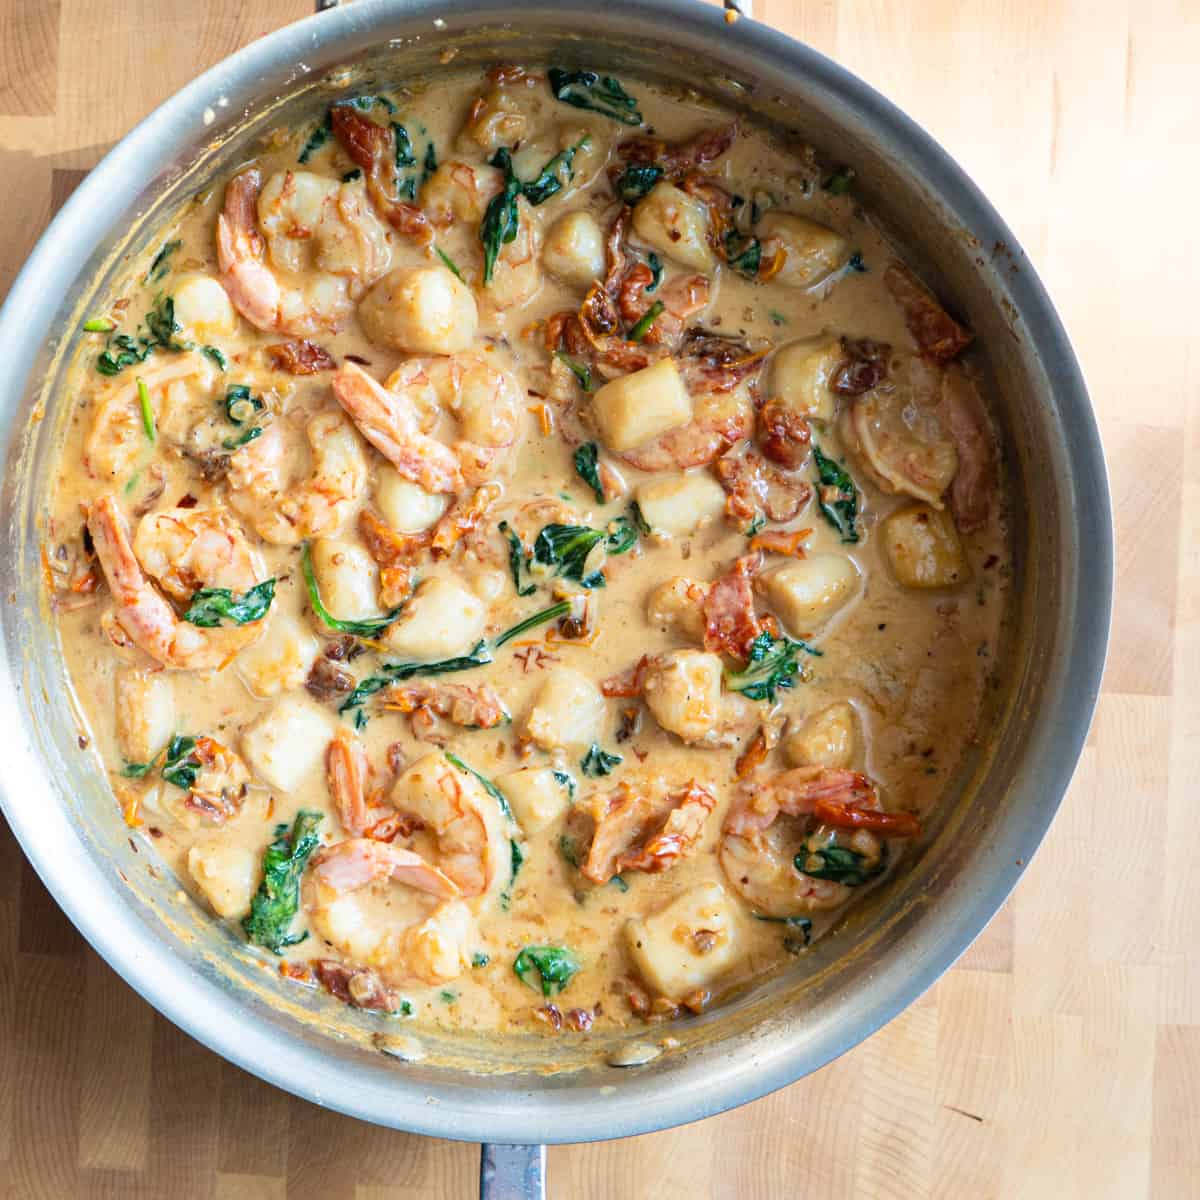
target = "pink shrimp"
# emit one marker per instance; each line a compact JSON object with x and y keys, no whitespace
{"x":759,"y":851}
{"x":144,"y":615}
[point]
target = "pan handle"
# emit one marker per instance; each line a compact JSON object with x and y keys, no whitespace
{"x":512,"y":1172}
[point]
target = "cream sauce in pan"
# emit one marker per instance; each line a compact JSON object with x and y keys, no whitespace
{"x":325,"y":392}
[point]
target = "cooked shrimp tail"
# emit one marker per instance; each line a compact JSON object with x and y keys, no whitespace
{"x":347,"y":771}
{"x":389,"y":422}
{"x":353,"y":864}
{"x":144,"y":615}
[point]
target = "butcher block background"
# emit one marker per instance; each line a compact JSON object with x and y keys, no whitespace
{"x":1061,"y":1057}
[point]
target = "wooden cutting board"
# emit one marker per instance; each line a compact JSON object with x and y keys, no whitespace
{"x":1061,"y":1057}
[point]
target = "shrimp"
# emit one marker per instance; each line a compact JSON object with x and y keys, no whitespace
{"x":314,"y":228}
{"x":682,"y":689}
{"x":517,"y":273}
{"x":501,"y":116}
{"x":965,"y":420}
{"x":185,"y":549}
{"x":897,"y":434}
{"x":465,"y":824}
{"x":285,"y":511}
{"x":144,"y":616}
{"x":760,"y":852}
{"x":457,"y":191}
{"x":643,"y":830}
{"x":755,"y":486}
{"x":430,"y":940}
{"x":398,"y":419}
{"x":347,"y":771}
{"x":681,"y":298}
{"x":117,"y":438}
{"x":719,"y":420}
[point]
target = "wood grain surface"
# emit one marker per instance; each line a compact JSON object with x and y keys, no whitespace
{"x":1061,"y":1057}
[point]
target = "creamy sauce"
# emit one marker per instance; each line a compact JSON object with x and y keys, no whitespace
{"x":911,"y":662}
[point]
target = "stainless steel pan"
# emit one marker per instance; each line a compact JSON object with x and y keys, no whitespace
{"x":537,"y":1090}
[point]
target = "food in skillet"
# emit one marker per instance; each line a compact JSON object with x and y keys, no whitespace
{"x":527,"y":551}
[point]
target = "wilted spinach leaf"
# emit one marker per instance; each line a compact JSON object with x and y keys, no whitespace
{"x":278,"y":897}
{"x":210,"y":606}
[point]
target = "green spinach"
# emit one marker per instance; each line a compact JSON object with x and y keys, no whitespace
{"x":797,"y":940}
{"x":404,"y":150}
{"x":561,"y":609}
{"x":838,"y":183}
{"x":743,"y":254}
{"x":637,"y":180}
{"x":839,"y":864}
{"x":656,"y":270}
{"x":642,"y":327}
{"x":277,"y":900}
{"x":598,"y":762}
{"x":558,"y":172}
{"x":502,"y":218}
{"x":594,"y":92}
{"x":163,"y":327}
{"x":123,"y":350}
{"x":181,"y":767}
{"x":160,"y":266}
{"x":240,"y":404}
{"x":566,"y":548}
{"x":836,"y":495}
{"x":366,"y":628}
{"x":319,"y":136}
{"x":587,"y":467}
{"x":210,"y":606}
{"x":581,"y":371}
{"x":516,"y":559}
{"x":773,"y":663}
{"x":554,"y":966}
{"x":480,"y":656}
